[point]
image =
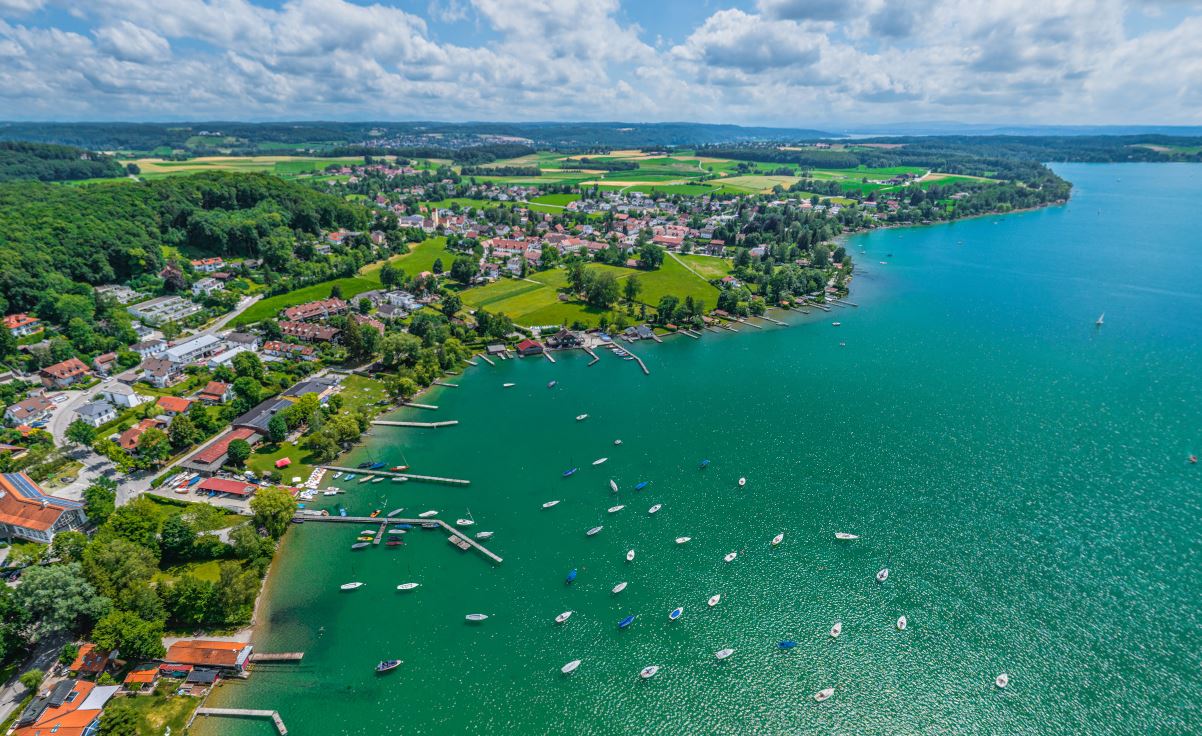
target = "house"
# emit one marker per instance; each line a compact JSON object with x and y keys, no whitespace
{"x":192,"y":350}
{"x":243,"y":340}
{"x":404,"y":300}
{"x":91,"y":661}
{"x":149,"y":348}
{"x":160,"y":372}
{"x":70,"y":708}
{"x":365,"y":321}
{"x":97,"y":413}
{"x":132,"y":437}
{"x":226,"y":486}
{"x":496,"y":349}
{"x":391,"y":312}
{"x":164,"y":309}
{"x":323,"y":386}
{"x":172,"y":405}
{"x":306,"y":331}
{"x":64,"y":374}
{"x":529,"y":347}
{"x":142,"y":678}
{"x":105,"y":363}
{"x":258,"y":417}
{"x":226,"y":358}
{"x":27,"y":512}
{"x":223,"y":656}
{"x":121,"y":396}
{"x":216,"y":392}
{"x":211,"y":457}
{"x":320,"y":309}
{"x":21,"y":324}
{"x":208,"y":265}
{"x":288,"y":350}
{"x":206,"y":286}
{"x":29,"y":411}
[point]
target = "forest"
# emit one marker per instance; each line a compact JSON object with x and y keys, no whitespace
{"x":46,"y":162}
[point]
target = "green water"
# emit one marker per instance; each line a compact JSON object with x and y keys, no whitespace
{"x":1022,"y":473}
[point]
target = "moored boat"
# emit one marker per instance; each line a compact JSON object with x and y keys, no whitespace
{"x":337,"y":475}
{"x":714,"y":599}
{"x":551,"y":384}
{"x":570,"y":667}
{"x":360,"y":545}
{"x":600,"y":460}
{"x":594,"y":531}
{"x":786,"y":644}
{"x":619,"y":587}
{"x":351,"y":586}
{"x":822,"y":695}
{"x":378,"y":479}
{"x":613,"y":485}
{"x":484,"y":535}
{"x":508,"y":385}
{"x":387,"y":665}
{"x":428,"y":514}
{"x":641,"y":485}
{"x":464,"y":522}
{"x":549,"y":504}
{"x":570,"y":471}
{"x":724,"y":653}
{"x":563,"y":617}
{"x":399,"y":468}
{"x":394,"y":512}
{"x":397,"y":531}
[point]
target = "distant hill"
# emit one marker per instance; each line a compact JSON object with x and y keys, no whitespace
{"x":48,"y":162}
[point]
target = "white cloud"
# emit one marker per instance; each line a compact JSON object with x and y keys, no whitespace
{"x":128,"y":42}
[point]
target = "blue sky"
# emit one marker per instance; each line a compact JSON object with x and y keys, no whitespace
{"x":804,"y":63}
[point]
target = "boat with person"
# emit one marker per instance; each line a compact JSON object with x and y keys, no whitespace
{"x":617,"y":442}
{"x":626,"y":621}
{"x":883,"y":575}
{"x":569,"y":472}
{"x":551,"y":384}
{"x":714,"y":600}
{"x":648,"y":672}
{"x":630,"y":556}
{"x":408,"y":586}
{"x":616,"y":509}
{"x":613,"y":485}
{"x":655,"y":508}
{"x":388,"y":665}
{"x":703,"y":464}
{"x":1002,"y":680}
{"x":778,"y":539}
{"x":675,"y":613}
{"x":742,"y":482}
{"x":581,"y":417}
{"x":845,"y":536}
{"x":619,"y":587}
{"x":570,"y":667}
{"x":476,"y":617}
{"x":682,"y":540}
{"x":563,"y":617}
{"x":902,"y":623}
{"x":822,"y":695}
{"x":549,"y":504}
{"x":594,"y":531}
{"x":723,"y":653}
{"x":836,"y":629}
{"x":730,"y":556}
{"x":351,"y":586}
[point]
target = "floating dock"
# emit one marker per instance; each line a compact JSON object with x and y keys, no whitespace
{"x":455,"y":533}
{"x":246,"y":713}
{"x":277,"y":656}
{"x":448,"y":385}
{"x":416,"y":405}
{"x":393,"y":474}
{"x":486,"y":359}
{"x":423,"y":425}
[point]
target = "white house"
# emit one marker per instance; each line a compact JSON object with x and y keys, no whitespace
{"x":207,"y":286}
{"x":122,"y":396}
{"x":193,"y":350}
{"x":97,"y":413}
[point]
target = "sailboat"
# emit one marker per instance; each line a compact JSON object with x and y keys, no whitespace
{"x":714,"y":600}
{"x":730,"y":556}
{"x":655,"y":508}
{"x":476,"y":617}
{"x":778,"y":539}
{"x":619,"y":587}
{"x":902,"y":623}
{"x":1101,"y":317}
{"x":616,"y":509}
{"x":883,"y":575}
{"x":648,"y":672}
{"x":351,"y":586}
{"x":594,"y":531}
{"x":836,"y":629}
{"x":563,"y":617}
{"x":630,"y":556}
{"x":1002,"y":680}
{"x":549,"y":504}
{"x":407,"y":586}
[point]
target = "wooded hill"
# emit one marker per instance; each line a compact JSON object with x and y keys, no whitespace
{"x":46,"y":162}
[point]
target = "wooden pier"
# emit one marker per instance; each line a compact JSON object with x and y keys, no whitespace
{"x":547,"y":355}
{"x":690,"y":333}
{"x":384,"y":523}
{"x":486,"y":359}
{"x":469,"y":361}
{"x":638,"y":360}
{"x":423,"y":425}
{"x":394,"y":474}
{"x":277,"y":656}
{"x":416,"y":405}
{"x":591,"y":353}
{"x":246,"y":713}
{"x":749,"y":323}
{"x":448,"y":385}
{"x":773,"y":321}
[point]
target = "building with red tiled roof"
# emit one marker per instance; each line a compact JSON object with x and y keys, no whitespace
{"x":91,"y":661}
{"x":22,"y":324}
{"x":319,"y":309}
{"x":28,"y":512}
{"x":306,"y":331}
{"x":277,"y":349}
{"x":216,"y":392}
{"x":131,"y":437}
{"x":64,"y":374}
{"x":226,"y":485}
{"x":70,"y":708}
{"x":224,"y":655}
{"x":210,"y":458}
{"x":529,"y":347}
{"x":173,"y":405}
{"x":27,"y":411}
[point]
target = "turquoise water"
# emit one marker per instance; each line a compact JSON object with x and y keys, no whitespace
{"x":1022,"y":474}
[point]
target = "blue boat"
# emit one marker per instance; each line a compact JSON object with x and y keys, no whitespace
{"x":787,"y":644}
{"x":571,"y":576}
{"x":641,"y":485}
{"x":194,"y":481}
{"x":341,"y":510}
{"x":364,"y":464}
{"x":566,"y":473}
{"x":704,"y":464}
{"x":375,"y":466}
{"x":675,"y":613}
{"x":626,"y":621}
{"x":402,"y":526}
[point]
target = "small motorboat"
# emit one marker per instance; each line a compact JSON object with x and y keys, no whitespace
{"x":581,"y":417}
{"x":703,"y":464}
{"x":778,"y":539}
{"x":902,"y":623}
{"x":600,"y":460}
{"x":619,"y":587}
{"x":846,"y":536}
{"x":399,"y":468}
{"x":387,"y":665}
{"x":365,"y":479}
{"x":836,"y":324}
{"x":836,"y":629}
{"x":1002,"y":680}
{"x":395,"y":543}
{"x":742,"y":482}
{"x":338,"y":475}
{"x":360,"y":545}
{"x":655,"y":508}
{"x":613,"y":485}
{"x":566,"y":473}
{"x":484,"y":535}
{"x":594,"y":531}
{"x":364,"y":464}
{"x":641,"y":485}
{"x":549,"y":504}
{"x":399,"y":479}
{"x":476,"y":617}
{"x":428,"y":514}
{"x":508,"y":385}
{"x":675,"y":613}
{"x":883,"y":575}
{"x":570,"y":667}
{"x":571,"y":576}
{"x":464,"y":522}
{"x":329,"y":493}
{"x":551,"y":384}
{"x":822,"y":695}
{"x":786,"y":644}
{"x":351,"y":586}
{"x":617,"y":442}
{"x":378,"y":479}
{"x":397,"y":531}
{"x":375,"y":466}
{"x":374,"y":514}
{"x":730,"y":556}
{"x":563,"y":617}
{"x":616,"y":509}
{"x":367,"y":538}
{"x":368,"y":532}
{"x":714,"y":599}
{"x":723,"y":653}
{"x":1193,"y":459}
{"x":407,"y":586}
{"x":394,"y":512}
{"x":648,"y":672}
{"x":630,"y":556}
{"x":626,"y":621}
{"x":682,"y":540}
{"x":349,"y":476}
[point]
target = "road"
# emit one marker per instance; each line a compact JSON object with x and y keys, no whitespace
{"x":43,"y":658}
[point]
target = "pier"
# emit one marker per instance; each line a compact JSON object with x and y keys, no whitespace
{"x":384,"y":523}
{"x":277,"y":656}
{"x":637,"y":360}
{"x":589,"y":350}
{"x":416,"y":405}
{"x":773,"y":321}
{"x":469,"y":361}
{"x":486,"y":359}
{"x":394,"y":474}
{"x":448,"y":385}
{"x":246,"y":713}
{"x":690,"y":333}
{"x":547,"y":355}
{"x":423,"y":425}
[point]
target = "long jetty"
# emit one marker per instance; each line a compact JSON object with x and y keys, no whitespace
{"x":416,"y":405}
{"x":589,"y":350}
{"x":277,"y":656}
{"x":398,"y":520}
{"x":637,"y":360}
{"x":448,"y":385}
{"x":486,"y":359}
{"x":393,"y":474}
{"x":423,"y":425}
{"x":246,"y":713}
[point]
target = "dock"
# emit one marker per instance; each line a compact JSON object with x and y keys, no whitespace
{"x":379,"y":534}
{"x":591,"y":353}
{"x":416,"y":405}
{"x":423,"y":425}
{"x":690,"y":333}
{"x":277,"y":656}
{"x":448,"y":385}
{"x":749,"y":323}
{"x":246,"y":713}
{"x":486,"y":359}
{"x":547,"y":355}
{"x":638,"y":360}
{"x":384,"y":523}
{"x":458,"y":542}
{"x":773,"y":321}
{"x":394,"y":474}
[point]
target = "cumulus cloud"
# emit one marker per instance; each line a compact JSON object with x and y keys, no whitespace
{"x":128,"y":42}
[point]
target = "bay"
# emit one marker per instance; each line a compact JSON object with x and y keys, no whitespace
{"x":1020,"y":471}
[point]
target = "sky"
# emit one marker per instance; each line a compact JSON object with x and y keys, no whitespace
{"x":789,"y":63}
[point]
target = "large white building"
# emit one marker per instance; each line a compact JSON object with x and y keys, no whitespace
{"x":164,"y":309}
{"x":192,"y":350}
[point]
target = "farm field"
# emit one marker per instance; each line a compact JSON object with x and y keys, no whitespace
{"x":756,"y":184}
{"x":281,"y":165}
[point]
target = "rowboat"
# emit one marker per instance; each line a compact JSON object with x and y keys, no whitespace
{"x":551,"y":384}
{"x":428,"y":514}
{"x":902,"y":623}
{"x":365,"y":479}
{"x":675,"y":613}
{"x":619,"y":587}
{"x":1002,"y":680}
{"x":703,"y":464}
{"x":626,"y":621}
{"x":682,"y":540}
{"x":475,"y":617}
{"x":592,"y":532}
{"x":360,"y":545}
{"x":613,"y":485}
{"x":378,"y":479}
{"x":563,"y":617}
{"x":600,"y":460}
{"x":397,"y":531}
{"x":387,"y":665}
{"x":570,"y":667}
{"x":616,"y":509}
{"x":407,"y":586}
{"x":508,"y":385}
{"x":648,"y":672}
{"x":399,"y":468}
{"x":883,"y":575}
{"x":846,"y":536}
{"x":566,"y":473}
{"x":713,"y":601}
{"x":581,"y":417}
{"x":778,"y":539}
{"x":630,"y":556}
{"x":836,"y":629}
{"x":395,"y":543}
{"x":723,"y":653}
{"x":822,"y":695}
{"x":730,"y":556}
{"x":484,"y":535}
{"x":367,"y":538}
{"x":368,"y":532}
{"x":394,"y":512}
{"x":351,"y":586}
{"x":464,"y":522}
{"x":786,"y":644}
{"x":571,"y":576}
{"x":374,"y":514}
{"x":655,"y":508}
{"x":641,"y":485}
{"x":549,"y":504}
{"x":338,"y":475}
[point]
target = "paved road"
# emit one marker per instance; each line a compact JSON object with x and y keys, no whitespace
{"x":44,"y":657}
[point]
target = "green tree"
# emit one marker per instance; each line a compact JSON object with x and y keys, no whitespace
{"x":80,"y":432}
{"x":631,"y":289}
{"x":135,"y":522}
{"x":188,"y":600}
{"x":68,"y":546}
{"x":153,"y":446}
{"x":451,"y":303}
{"x":234,"y":596}
{"x":248,"y":364}
{"x":32,"y":679}
{"x":58,"y":599}
{"x":182,"y":433}
{"x":277,"y":428}
{"x":651,"y":256}
{"x":99,"y":500}
{"x":177,"y":539}
{"x":119,"y":718}
{"x":238,"y":451}
{"x":14,"y":622}
{"x":136,"y":638}
{"x":115,"y":564}
{"x":601,"y":289}
{"x":437,"y":267}
{"x":273,"y":509}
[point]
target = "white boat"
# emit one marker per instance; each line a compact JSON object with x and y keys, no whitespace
{"x":549,"y":504}
{"x":655,"y":508}
{"x":822,"y":695}
{"x":338,"y":475}
{"x":648,"y":672}
{"x":742,"y":482}
{"x":464,"y":522}
{"x":351,"y":586}
{"x":836,"y":324}
{"x":613,"y":485}
{"x":630,"y":556}
{"x":1002,"y":680}
{"x":592,"y":532}
{"x":1101,"y":318}
{"x":563,"y":617}
{"x":619,"y":587}
{"x":570,"y":667}
{"x":600,"y":460}
{"x":902,"y":623}
{"x":378,"y":479}
{"x":616,"y":509}
{"x":778,"y":539}
{"x":836,"y":629}
{"x":407,"y":586}
{"x":617,"y":442}
{"x":484,"y":535}
{"x":368,"y":531}
{"x":682,"y":540}
{"x":713,"y":601}
{"x":508,"y":385}
{"x":581,"y":417}
{"x":730,"y":556}
{"x":329,"y":493}
{"x":846,"y":536}
{"x":476,"y":616}
{"x":724,"y":653}
{"x":428,"y":514}
{"x":883,"y":575}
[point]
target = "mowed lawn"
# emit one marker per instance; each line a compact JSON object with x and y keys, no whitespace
{"x":756,"y":183}
{"x":421,"y":257}
{"x":709,"y":267}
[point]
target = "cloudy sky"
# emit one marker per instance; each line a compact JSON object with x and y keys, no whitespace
{"x":771,"y":62}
